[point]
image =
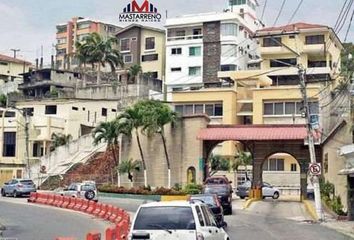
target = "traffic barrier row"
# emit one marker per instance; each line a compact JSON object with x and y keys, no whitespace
{"x":115,"y":215}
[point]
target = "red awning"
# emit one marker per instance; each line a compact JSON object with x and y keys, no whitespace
{"x":253,"y":132}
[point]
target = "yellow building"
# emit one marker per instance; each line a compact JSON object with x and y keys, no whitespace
{"x":268,"y":91}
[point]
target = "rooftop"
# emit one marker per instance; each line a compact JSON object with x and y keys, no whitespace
{"x":293,"y":27}
{"x":140,"y":26}
{"x":5,"y":58}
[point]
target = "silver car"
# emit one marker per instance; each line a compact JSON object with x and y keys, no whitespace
{"x":86,"y":190}
{"x":18,"y":187}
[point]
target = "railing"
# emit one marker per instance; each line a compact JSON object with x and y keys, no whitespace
{"x":188,"y":37}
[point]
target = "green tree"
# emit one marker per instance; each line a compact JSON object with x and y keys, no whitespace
{"x":132,"y":119}
{"x":156,"y":116}
{"x":101,"y":52}
{"x":3,"y":100}
{"x":218,"y":163}
{"x":242,"y":159}
{"x":59,"y":139}
{"x":128,"y":167}
{"x":134,"y":73}
{"x":347,"y":59}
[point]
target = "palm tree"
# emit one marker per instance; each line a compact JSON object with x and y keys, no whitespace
{"x":156,"y":116}
{"x":101,"y":51}
{"x":132,"y":119}
{"x":134,"y":72}
{"x":242,"y":159}
{"x":129,"y":166}
{"x":59,"y":139}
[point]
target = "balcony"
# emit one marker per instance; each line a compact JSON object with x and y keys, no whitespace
{"x":313,"y":48}
{"x":189,"y":38}
{"x":274,"y":50}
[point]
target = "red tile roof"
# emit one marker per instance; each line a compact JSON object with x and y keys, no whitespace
{"x":292,"y":27}
{"x":253,"y":132}
{"x":5,"y":58}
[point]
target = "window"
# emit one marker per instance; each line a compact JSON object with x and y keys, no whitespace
{"x":83,"y":25}
{"x":218,"y":110}
{"x":149,"y":43}
{"x":180,"y":33}
{"x":114,"y":110}
{"x":82,"y":37}
{"x":75,"y":108}
{"x":289,"y":108}
{"x":314,"y":64}
{"x":293,"y":167}
{"x":9,"y":147}
{"x":177,"y":69}
{"x":272,"y":42}
{"x":237,"y":2}
{"x":28,"y":111}
{"x":273,"y":164}
{"x":150,"y":57}
{"x":88,"y":116}
{"x":195,"y":51}
{"x":125,"y":45}
{"x":188,"y":110}
{"x":179,"y":109}
{"x":279,"y":108}
{"x":61,"y":40}
{"x":51,"y":109}
{"x":104,"y":112}
{"x":4,"y":63}
{"x":194,"y":71}
{"x":229,"y":50}
{"x":283,"y":62}
{"x":199,"y":108}
{"x":229,"y":29}
{"x":200,"y":216}
{"x":228,"y":67}
{"x":61,"y":51}
{"x":176,"y":51}
{"x":95,"y":117}
{"x":209,"y":109}
{"x":215,"y":110}
{"x":128,"y":58}
{"x":8,"y":114}
{"x":315,"y":39}
{"x":268,"y":108}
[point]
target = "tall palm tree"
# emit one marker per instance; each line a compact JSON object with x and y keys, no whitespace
{"x":132,"y":119}
{"x":102,"y":52}
{"x":156,"y":116}
{"x":242,"y":159}
{"x":129,"y":166}
{"x":134,"y":72}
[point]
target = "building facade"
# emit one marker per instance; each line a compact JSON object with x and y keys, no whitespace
{"x":76,"y":30}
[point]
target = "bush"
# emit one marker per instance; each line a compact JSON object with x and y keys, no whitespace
{"x":139,"y":190}
{"x":337,"y":206}
{"x":193,"y":188}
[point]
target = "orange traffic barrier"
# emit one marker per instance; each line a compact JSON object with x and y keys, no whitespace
{"x":97,"y":209}
{"x":59,"y":201}
{"x":91,"y":207}
{"x":85,"y":205}
{"x":109,"y":212}
{"x":114,"y":215}
{"x":56,"y":200}
{"x":33,"y":197}
{"x":78,"y":204}
{"x":104,"y":209}
{"x":72,"y":203}
{"x":50,"y":199}
{"x":42,"y":198}
{"x":93,"y":236}
{"x":65,"y":238}
{"x":66,"y":202}
{"x":111,"y":233}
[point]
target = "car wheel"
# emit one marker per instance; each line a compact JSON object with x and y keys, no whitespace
{"x":263,"y":197}
{"x":15,"y":194}
{"x":89,"y":195}
{"x":276,"y":195}
{"x":3,"y":193}
{"x":242,"y":197}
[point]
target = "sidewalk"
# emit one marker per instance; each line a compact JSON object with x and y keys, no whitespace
{"x":345,"y":227}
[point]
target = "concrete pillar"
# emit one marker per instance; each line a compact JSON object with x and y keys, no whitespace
{"x":257,"y":172}
{"x":303,"y":176}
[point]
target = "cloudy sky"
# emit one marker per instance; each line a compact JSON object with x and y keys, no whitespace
{"x":28,"y":24}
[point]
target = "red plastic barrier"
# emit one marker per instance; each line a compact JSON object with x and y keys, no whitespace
{"x":50,"y":199}
{"x":59,"y":201}
{"x":114,"y":215}
{"x":42,"y":198}
{"x":65,"y":238}
{"x":78,"y":204}
{"x":104,"y":209}
{"x":111,"y":233}
{"x":98,"y":209}
{"x":109,"y":212}
{"x":72,"y":203}
{"x":91,"y":207}
{"x":66,"y":202}
{"x":93,"y":236}
{"x":85,"y":205}
{"x":33,"y":197}
{"x":56,"y":200}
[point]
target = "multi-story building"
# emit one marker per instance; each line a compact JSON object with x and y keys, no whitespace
{"x":268,"y":91}
{"x":76,"y":30}
{"x":200,"y":45}
{"x":144,"y":46}
{"x":10,"y":73}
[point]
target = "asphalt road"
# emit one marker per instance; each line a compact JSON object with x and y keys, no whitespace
{"x":25,"y":221}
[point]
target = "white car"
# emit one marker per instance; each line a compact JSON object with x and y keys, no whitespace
{"x":86,"y":190}
{"x":174,"y":220}
{"x":270,"y":191}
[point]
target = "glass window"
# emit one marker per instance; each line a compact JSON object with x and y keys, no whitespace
{"x":268,"y":109}
{"x":61,"y":40}
{"x":218,"y":110}
{"x":229,"y":29}
{"x":229,"y":50}
{"x":150,"y":57}
{"x":177,"y":69}
{"x":278,"y":108}
{"x":293,"y":167}
{"x":128,"y":58}
{"x":283,"y":62}
{"x":157,"y":218}
{"x":315,"y":39}
{"x":272,"y":42}
{"x":290,"y":108}
{"x":272,"y":164}
{"x":104,"y":112}
{"x":83,"y":25}
{"x":188,"y":110}
{"x":228,"y":67}
{"x":209,"y":109}
{"x":265,"y":165}
{"x":194,"y":71}
{"x":9,"y":147}
{"x":51,"y":109}
{"x":149,"y":43}
{"x":200,"y":216}
{"x":179,"y":109}
{"x":199,"y":108}
{"x":195,"y":51}
{"x":206,"y":216}
{"x":176,"y":51}
{"x":299,"y":106}
{"x":125,"y":44}
{"x":280,"y":164}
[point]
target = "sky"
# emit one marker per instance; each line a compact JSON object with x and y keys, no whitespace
{"x":30,"y":24}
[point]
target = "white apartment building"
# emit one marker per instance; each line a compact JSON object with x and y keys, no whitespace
{"x":200,"y":45}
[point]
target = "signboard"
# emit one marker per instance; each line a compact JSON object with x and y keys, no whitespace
{"x":315,"y":169}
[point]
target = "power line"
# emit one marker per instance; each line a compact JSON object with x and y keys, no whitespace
{"x":263,"y":11}
{"x":345,"y":16}
{"x":340,"y":14}
{"x":296,"y":10}
{"x":279,"y":13}
{"x":350,"y":24}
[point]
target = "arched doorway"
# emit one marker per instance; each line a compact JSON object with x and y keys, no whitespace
{"x":191,"y":175}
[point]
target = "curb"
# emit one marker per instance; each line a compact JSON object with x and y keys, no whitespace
{"x":249,"y":202}
{"x":131,"y":196}
{"x":310,"y":209}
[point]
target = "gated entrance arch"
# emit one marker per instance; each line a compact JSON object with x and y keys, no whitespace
{"x":262,"y":141}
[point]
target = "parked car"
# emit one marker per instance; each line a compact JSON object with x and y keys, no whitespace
{"x":267,"y":190}
{"x":176,"y":220}
{"x":18,"y":187}
{"x":213,"y":203}
{"x":224,"y":195}
{"x":218,"y":180}
{"x":86,"y":190}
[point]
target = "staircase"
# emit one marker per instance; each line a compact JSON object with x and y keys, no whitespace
{"x":62,"y":159}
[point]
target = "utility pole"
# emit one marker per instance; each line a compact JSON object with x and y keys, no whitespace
{"x":15,"y":51}
{"x":27,"y":143}
{"x":316,"y":182}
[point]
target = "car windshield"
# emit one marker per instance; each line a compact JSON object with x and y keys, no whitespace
{"x":205,"y":198}
{"x":157,"y":218}
{"x":216,"y":181}
{"x":27,"y":182}
{"x":216,"y":190}
{"x":87,"y":187}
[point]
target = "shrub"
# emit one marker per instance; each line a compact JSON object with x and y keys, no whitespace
{"x":193,"y":188}
{"x":138,"y":190}
{"x":337,"y":206}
